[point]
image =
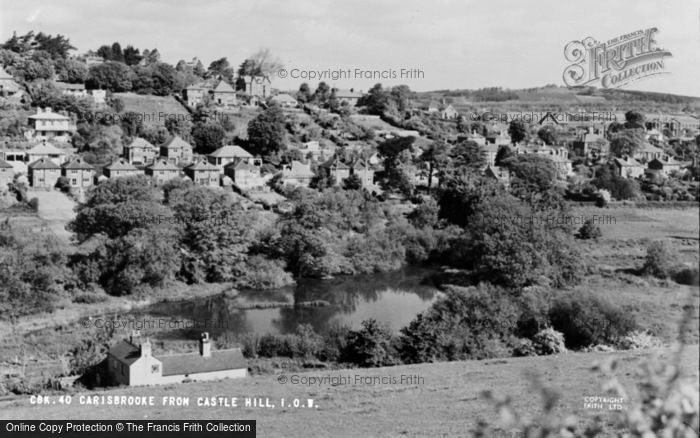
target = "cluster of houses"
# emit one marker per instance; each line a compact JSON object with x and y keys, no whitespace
{"x":229,"y":165}
{"x":223,"y":94}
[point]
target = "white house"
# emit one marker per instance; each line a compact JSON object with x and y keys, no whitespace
{"x":47,"y":125}
{"x":131,"y":362}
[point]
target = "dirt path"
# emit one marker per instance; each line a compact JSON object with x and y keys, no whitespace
{"x":57,"y":210}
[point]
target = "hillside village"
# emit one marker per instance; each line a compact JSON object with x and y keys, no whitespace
{"x":181,"y":177}
{"x":330,"y":133}
{"x":209,"y":228}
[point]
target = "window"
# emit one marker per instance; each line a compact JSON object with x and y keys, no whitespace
{"x":155,"y":368}
{"x":74,"y":181}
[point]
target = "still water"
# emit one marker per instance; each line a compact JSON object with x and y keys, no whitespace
{"x":392,"y":298}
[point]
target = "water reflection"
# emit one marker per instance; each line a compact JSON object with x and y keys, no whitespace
{"x":392,"y":298}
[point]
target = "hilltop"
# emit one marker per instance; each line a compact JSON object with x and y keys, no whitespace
{"x":551,"y":96}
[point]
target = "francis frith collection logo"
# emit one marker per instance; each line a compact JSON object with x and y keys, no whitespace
{"x":616,"y":62}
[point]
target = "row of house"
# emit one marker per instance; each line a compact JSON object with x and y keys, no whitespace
{"x":665,"y":165}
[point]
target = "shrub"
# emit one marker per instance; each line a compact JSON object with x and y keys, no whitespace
{"x":525,"y":348}
{"x":639,"y":339}
{"x":63,"y":184}
{"x":686,"y":275}
{"x":371,"y":346}
{"x":34,"y":204}
{"x":589,"y":230}
{"x":587,"y":320}
{"x":263,"y":273}
{"x":549,"y":341}
{"x":467,"y":323}
{"x":658,"y":260}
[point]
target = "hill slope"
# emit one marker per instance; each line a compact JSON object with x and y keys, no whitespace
{"x":445,"y":401}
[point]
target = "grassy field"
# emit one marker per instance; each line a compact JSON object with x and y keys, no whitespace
{"x":444,"y":399}
{"x":154,"y":109}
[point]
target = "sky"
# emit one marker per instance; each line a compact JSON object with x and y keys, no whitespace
{"x":445,"y":44}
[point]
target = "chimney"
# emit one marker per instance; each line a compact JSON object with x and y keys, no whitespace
{"x":135,"y":337}
{"x":47,"y":109}
{"x":205,"y":345}
{"x":145,"y":348}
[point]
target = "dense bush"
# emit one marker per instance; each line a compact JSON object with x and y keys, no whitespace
{"x":549,"y":341}
{"x":658,"y":260}
{"x":587,"y":320}
{"x":371,"y":346}
{"x":589,"y":230}
{"x":467,"y":323}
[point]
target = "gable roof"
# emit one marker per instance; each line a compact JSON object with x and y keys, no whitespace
{"x":44,"y":163}
{"x":284,"y":97}
{"x":125,"y":352}
{"x":5,"y":165}
{"x":202,"y":165}
{"x":5,"y":75}
{"x":241,"y":165}
{"x":162,"y":164}
{"x":627,"y":162}
{"x":176,"y":142}
{"x":48,"y":115}
{"x":231,"y":151}
{"x":193,"y":363}
{"x":120,"y":164}
{"x":223,"y":87}
{"x":45,"y":149}
{"x":77,"y":163}
{"x":139,"y":142}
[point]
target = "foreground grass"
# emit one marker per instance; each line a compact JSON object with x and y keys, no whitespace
{"x":446,"y":401}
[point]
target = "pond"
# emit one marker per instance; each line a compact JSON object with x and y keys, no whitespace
{"x":393,"y":299}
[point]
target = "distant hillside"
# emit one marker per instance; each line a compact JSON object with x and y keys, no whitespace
{"x":154,"y":109}
{"x":555,"y":96}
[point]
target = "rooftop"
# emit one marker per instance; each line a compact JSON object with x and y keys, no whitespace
{"x":231,"y":151}
{"x":44,"y":163}
{"x":120,"y":164}
{"x":77,"y":163}
{"x":176,"y":142}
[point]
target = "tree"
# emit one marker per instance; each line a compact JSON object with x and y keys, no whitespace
{"x":504,"y":153}
{"x":399,"y":170}
{"x":548,"y":135}
{"x":371,"y":346}
{"x":532,"y":173}
{"x":353,"y":182}
{"x":261,"y":63}
{"x":266,"y":133}
{"x":207,"y":136}
{"x":113,"y":76}
{"x":437,"y":158}
{"x":117,"y":54}
{"x":634,"y":120}
{"x":589,"y":230}
{"x":216,"y":235}
{"x":626,"y":142}
{"x":132,"y":55}
{"x":221,"y":67}
{"x":72,"y":71}
{"x":517,"y":131}
{"x":658,"y":261}
{"x":304,"y":93}
{"x":467,"y":155}
{"x":322,"y":94}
